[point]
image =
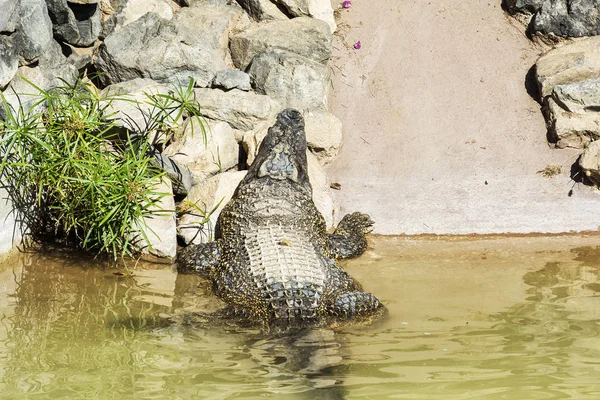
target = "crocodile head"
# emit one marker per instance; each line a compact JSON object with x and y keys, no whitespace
{"x":282,"y":154}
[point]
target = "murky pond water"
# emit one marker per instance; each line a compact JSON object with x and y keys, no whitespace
{"x":504,"y":318}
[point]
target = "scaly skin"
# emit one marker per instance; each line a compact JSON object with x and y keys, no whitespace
{"x":273,"y":260}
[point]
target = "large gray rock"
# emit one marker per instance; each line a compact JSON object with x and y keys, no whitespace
{"x":89,"y":24}
{"x":9,"y":59}
{"x":242,"y":110}
{"x":524,"y":6}
{"x":571,"y":129}
{"x":304,"y":36}
{"x":9,"y":17}
{"x":568,"y":18}
{"x":295,"y":81}
{"x":63,"y":21}
{"x":319,"y":9}
{"x":51,"y":70}
{"x":194,"y":44}
{"x":160,"y":228}
{"x":35,"y":29}
{"x":130,"y":107}
{"x":124,"y":12}
{"x":205,"y":150}
{"x":262,"y":10}
{"x":575,"y":61}
{"x":232,"y":79}
{"x":589,"y":162}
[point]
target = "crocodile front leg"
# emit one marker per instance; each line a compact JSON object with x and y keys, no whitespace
{"x":200,"y":259}
{"x":348,"y":240}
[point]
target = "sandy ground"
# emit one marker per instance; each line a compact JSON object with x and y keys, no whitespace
{"x":441,"y":135}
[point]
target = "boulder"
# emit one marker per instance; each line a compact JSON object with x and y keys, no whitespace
{"x":179,"y":175}
{"x":130,"y":108}
{"x":193,"y":44}
{"x":64,"y":23}
{"x":9,"y":59}
{"x":307,"y":37}
{"x":89,"y":24}
{"x":319,"y":9}
{"x":205,"y":150}
{"x":571,"y":129}
{"x":589,"y":162}
{"x":262,"y":10}
{"x":575,"y":61}
{"x":323,"y":135}
{"x":295,"y":81}
{"x":228,"y":79}
{"x":9,"y":17}
{"x":242,"y":110}
{"x":35,"y":29}
{"x":51,"y":70}
{"x":197,"y":223}
{"x":523,"y":6}
{"x":156,"y":234}
{"x":567,"y":18}
{"x":125,"y":12}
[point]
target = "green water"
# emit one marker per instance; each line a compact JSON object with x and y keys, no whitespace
{"x":506,"y":318}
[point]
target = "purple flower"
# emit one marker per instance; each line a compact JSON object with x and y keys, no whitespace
{"x":347,"y":4}
{"x":357,"y":45}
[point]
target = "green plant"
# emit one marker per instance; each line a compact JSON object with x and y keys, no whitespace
{"x":70,"y":179}
{"x":204,"y":213}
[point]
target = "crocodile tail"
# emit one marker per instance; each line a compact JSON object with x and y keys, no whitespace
{"x":354,"y":304}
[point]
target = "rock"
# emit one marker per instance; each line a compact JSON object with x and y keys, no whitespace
{"x":128,"y":11}
{"x":523,"y":6}
{"x":304,"y":36}
{"x":64,"y":23}
{"x":319,"y":9}
{"x":180,"y":175}
{"x":206,"y":150}
{"x":35,"y":29}
{"x":81,"y":57}
{"x":75,"y":23}
{"x":10,"y":229}
{"x":51,"y":70}
{"x":242,"y":110}
{"x":9,"y":17}
{"x":9,"y":59}
{"x":132,"y":110}
{"x":262,"y":10}
{"x":321,"y":189}
{"x":569,"y":82}
{"x":295,"y":81}
{"x":589,"y":162}
{"x":88,"y":16}
{"x":573,"y":62}
{"x":160,"y":228}
{"x":568,"y":18}
{"x":194,"y":44}
{"x":323,"y":135}
{"x":571,"y":129}
{"x":195,"y":226}
{"x":232,"y":79}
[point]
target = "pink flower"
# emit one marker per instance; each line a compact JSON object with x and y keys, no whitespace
{"x":357,"y":45}
{"x":347,"y":4}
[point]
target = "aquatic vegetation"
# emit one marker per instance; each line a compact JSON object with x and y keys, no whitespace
{"x":74,"y":177}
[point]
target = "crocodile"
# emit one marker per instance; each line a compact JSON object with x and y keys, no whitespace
{"x":272,"y":260}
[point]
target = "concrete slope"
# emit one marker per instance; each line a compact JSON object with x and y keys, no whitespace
{"x":441,"y":135}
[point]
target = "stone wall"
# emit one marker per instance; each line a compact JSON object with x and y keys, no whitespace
{"x":248,"y":60}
